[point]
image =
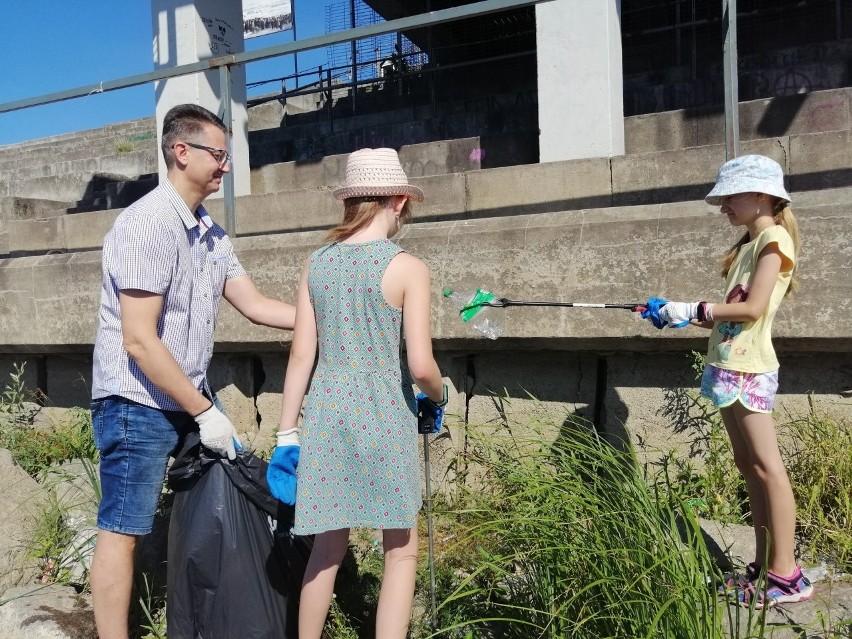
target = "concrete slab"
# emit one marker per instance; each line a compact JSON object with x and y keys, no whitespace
{"x":444,"y":198}
{"x":27,"y":237}
{"x":821,"y":160}
{"x":66,"y":188}
{"x":86,"y":231}
{"x":18,"y":208}
{"x":562,"y":185}
{"x":813,"y":112}
{"x":130,"y":164}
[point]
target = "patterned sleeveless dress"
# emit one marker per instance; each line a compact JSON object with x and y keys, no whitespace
{"x":359,"y":465}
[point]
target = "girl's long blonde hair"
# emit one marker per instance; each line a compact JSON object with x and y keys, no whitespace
{"x":358,"y":212}
{"x":783,"y":215}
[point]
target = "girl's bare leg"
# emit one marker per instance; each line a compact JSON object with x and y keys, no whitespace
{"x":756,"y":498}
{"x":758,"y":432}
{"x":318,"y":584}
{"x":397,"y":594}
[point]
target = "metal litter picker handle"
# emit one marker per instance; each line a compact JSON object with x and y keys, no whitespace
{"x":429,"y":530}
{"x":502,"y":302}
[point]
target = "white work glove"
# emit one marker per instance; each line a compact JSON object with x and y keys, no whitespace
{"x":217,"y":432}
{"x":678,"y":314}
{"x":287,"y":437}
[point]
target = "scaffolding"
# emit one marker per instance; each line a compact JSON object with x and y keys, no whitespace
{"x":368,"y":58}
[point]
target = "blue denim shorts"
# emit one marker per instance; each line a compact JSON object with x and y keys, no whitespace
{"x":135,"y":442}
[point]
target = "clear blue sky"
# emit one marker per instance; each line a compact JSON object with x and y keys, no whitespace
{"x":52,"y":45}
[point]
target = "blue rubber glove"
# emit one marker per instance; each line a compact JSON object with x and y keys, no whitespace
{"x":281,"y":473}
{"x":430,"y":415}
{"x":652,"y":311}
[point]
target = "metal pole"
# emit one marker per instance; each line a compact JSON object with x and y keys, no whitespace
{"x":330,"y":101}
{"x":295,"y":53}
{"x":838,"y":19}
{"x":228,"y":178}
{"x":429,"y":530}
{"x":354,"y":54}
{"x":732,"y":99}
{"x":401,"y":69}
{"x":433,"y":98}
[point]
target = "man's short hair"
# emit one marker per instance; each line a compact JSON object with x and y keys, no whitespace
{"x":185,"y":122}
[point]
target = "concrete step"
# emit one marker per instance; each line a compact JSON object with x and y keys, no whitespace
{"x":815,"y":112}
{"x":19,"y":208}
{"x":73,"y":181}
{"x":811,"y":162}
{"x":285,"y":213}
{"x":672,"y":179}
{"x":418,"y":160}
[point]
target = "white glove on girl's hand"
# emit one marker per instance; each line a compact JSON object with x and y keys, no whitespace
{"x":287,"y":437}
{"x":217,"y":432}
{"x":678,"y":314}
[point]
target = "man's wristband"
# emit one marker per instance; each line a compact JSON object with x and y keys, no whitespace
{"x":702,"y":311}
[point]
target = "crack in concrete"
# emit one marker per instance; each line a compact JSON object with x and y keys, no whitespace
{"x":258,"y":379}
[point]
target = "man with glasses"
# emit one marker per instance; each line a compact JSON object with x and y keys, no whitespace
{"x":166,"y":266}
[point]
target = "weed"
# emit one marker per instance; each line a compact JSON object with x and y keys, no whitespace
{"x":819,"y":462}
{"x":123,"y":146}
{"x":152,"y":609}
{"x":337,"y":625}
{"x":50,"y":539}
{"x":35,"y":450}
{"x":566,"y":539}
{"x":14,"y":394}
{"x":64,"y":538}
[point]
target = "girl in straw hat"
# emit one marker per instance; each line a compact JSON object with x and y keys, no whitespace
{"x":359,"y":462}
{"x":741,"y":376}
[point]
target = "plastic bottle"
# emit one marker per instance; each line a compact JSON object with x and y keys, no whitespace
{"x":474,"y":311}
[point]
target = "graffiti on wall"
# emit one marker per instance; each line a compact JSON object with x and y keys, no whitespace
{"x":772,"y":74}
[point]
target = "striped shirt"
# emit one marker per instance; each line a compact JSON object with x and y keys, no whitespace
{"x":158,"y":245}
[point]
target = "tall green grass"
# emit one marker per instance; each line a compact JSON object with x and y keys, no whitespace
{"x":818,"y":452}
{"x":566,"y":539}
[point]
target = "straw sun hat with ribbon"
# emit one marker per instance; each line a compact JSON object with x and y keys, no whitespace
{"x":375,"y":172}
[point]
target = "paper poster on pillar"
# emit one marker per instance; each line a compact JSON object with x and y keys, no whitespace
{"x":262,"y":17}
{"x":190,"y":32}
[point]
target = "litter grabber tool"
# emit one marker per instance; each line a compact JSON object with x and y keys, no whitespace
{"x":430,"y":418}
{"x":475,"y":308}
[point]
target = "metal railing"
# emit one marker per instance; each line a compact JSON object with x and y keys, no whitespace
{"x":225,"y":62}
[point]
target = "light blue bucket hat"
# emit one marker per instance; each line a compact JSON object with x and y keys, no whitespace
{"x":748,"y":174}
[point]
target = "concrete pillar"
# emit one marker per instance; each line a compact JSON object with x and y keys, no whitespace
{"x":580,"y":99}
{"x":186,"y":32}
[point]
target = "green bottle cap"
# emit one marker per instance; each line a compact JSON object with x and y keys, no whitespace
{"x":448,"y":291}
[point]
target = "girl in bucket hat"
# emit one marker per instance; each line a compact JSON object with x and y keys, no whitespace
{"x":741,"y":373}
{"x":359,"y":463}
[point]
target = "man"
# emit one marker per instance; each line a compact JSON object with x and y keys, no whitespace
{"x":166,"y":266}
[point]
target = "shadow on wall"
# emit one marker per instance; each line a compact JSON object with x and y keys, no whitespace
{"x":518,"y":386}
{"x":107,"y":191}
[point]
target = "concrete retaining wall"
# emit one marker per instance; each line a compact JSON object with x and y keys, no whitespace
{"x":605,"y":365}
{"x":602,"y":230}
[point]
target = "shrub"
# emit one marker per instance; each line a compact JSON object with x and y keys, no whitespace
{"x":566,"y":539}
{"x":818,"y":451}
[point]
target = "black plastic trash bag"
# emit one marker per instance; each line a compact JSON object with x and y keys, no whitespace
{"x":234,"y":568}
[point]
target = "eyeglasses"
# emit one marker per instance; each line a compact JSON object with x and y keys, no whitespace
{"x":220,"y":155}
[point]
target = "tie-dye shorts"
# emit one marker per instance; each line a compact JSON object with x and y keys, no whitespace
{"x":755,"y":391}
